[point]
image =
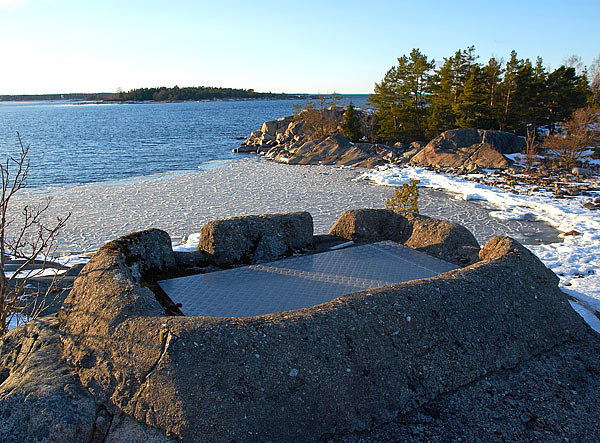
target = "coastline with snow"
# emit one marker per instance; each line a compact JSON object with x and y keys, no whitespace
{"x":575,"y":260}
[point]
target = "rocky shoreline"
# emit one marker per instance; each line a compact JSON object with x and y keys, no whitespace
{"x":464,"y":152}
{"x":490,"y":351}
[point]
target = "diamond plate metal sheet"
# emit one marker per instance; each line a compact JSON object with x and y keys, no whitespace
{"x":300,"y":282}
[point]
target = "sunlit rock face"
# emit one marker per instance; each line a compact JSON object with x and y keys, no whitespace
{"x":470,"y":148}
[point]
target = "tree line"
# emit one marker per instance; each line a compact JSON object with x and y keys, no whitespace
{"x":417,"y":101}
{"x":176,"y":93}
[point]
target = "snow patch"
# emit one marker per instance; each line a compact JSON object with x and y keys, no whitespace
{"x":587,"y":315}
{"x":188,"y":244}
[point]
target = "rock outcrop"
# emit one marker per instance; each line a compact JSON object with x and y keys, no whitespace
{"x":336,"y":150}
{"x":303,"y":374}
{"x":347,"y":365}
{"x":285,"y":141}
{"x":469,"y":149}
{"x":439,"y":238}
{"x":256,"y":238}
{"x":41,"y":398}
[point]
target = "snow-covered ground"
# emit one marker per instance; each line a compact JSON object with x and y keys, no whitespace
{"x":39,"y":270}
{"x":576,"y":260}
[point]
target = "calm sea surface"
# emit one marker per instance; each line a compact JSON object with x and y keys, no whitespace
{"x":82,"y":143}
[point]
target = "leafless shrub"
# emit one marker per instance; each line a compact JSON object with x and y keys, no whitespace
{"x":321,"y":119}
{"x":531,"y":148}
{"x":574,"y":136}
{"x":26,"y":241}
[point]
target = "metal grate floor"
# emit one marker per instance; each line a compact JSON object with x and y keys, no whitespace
{"x":300,"y":282}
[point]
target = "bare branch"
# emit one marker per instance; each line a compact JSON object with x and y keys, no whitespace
{"x":574,"y":136}
{"x":31,"y":243}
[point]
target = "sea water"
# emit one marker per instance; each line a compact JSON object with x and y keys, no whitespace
{"x":78,"y":142}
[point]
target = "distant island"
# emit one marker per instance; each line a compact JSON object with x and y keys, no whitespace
{"x":48,"y":97}
{"x":158,"y":94}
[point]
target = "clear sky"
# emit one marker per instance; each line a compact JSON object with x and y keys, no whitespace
{"x":54,"y":46}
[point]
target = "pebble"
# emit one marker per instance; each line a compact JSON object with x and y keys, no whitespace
{"x":526,"y":417}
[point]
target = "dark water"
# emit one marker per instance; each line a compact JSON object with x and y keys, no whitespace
{"x":81,"y":143}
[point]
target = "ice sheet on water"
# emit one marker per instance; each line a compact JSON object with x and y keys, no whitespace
{"x":73,"y":260}
{"x":30,"y":273}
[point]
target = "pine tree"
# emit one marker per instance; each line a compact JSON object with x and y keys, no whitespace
{"x":540,"y":113}
{"x":470,"y":107}
{"x":508,"y":90}
{"x":463,"y":61}
{"x":351,"y":124}
{"x":411,"y":101}
{"x":441,"y":113}
{"x":418,"y":74}
{"x":526,"y":106}
{"x":386,"y":100}
{"x":492,"y":77}
{"x":400,"y":98}
{"x":594,"y":78}
{"x":563,"y":95}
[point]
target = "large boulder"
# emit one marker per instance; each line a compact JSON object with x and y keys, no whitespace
{"x":147,"y":250}
{"x":269,"y":128}
{"x":469,"y":148}
{"x":443,"y":239}
{"x":439,"y":238}
{"x":272,"y":128}
{"x":371,"y":225}
{"x":256,"y":238}
{"x":347,"y":365}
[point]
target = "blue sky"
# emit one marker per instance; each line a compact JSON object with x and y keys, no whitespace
{"x":51,"y":46}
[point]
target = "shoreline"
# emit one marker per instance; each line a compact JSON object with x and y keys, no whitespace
{"x":181,"y":202}
{"x":575,"y":261}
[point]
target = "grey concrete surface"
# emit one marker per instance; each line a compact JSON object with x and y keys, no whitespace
{"x":300,"y":282}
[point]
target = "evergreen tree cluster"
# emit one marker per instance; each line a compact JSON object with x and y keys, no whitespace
{"x":415,"y":101}
{"x":189,"y":93}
